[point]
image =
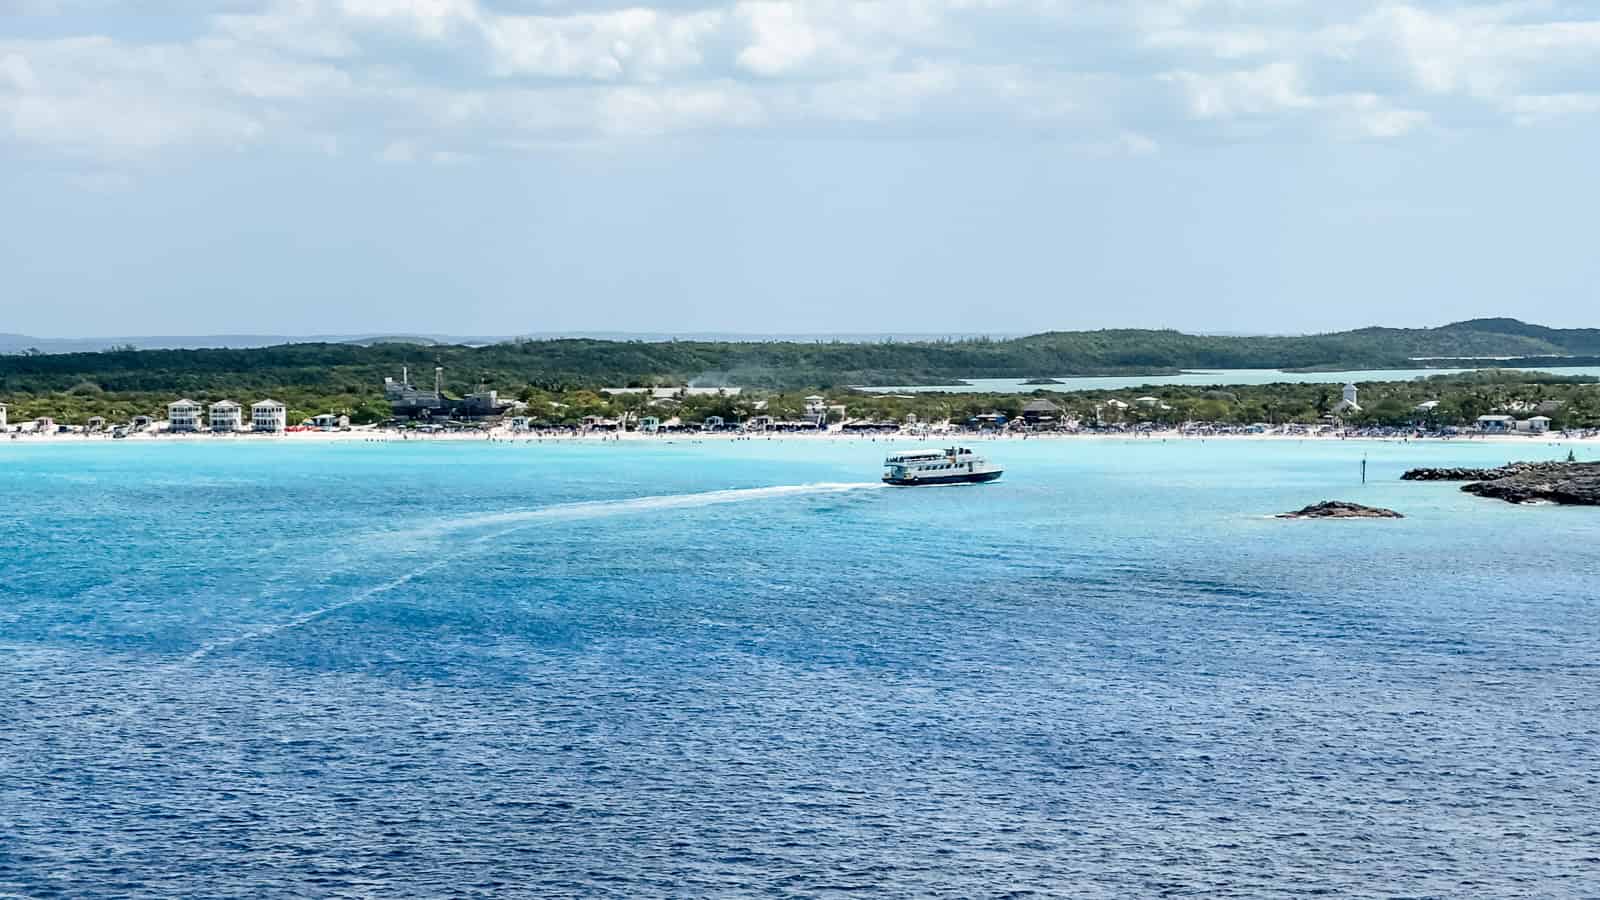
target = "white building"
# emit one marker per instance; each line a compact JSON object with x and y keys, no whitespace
{"x":1534,"y":425}
{"x":1497,"y":424}
{"x":226,"y":416}
{"x":183,"y":415}
{"x":330,"y":422}
{"x":673,"y":393}
{"x":269,"y":416}
{"x":1348,"y":404}
{"x":2,"y":415}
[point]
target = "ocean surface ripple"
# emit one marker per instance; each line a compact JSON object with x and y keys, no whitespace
{"x":748,"y":670}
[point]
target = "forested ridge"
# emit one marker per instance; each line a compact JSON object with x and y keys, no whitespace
{"x":597,"y":363}
{"x":323,"y":376}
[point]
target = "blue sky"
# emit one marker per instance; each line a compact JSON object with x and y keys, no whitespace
{"x":506,"y":166}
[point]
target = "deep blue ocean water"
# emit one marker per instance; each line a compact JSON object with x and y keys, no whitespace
{"x":744,"y":669}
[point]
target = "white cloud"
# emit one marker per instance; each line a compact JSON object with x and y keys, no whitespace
{"x":428,"y":19}
{"x":1481,"y":52}
{"x":448,"y":78}
{"x":643,"y":43}
{"x":1272,"y":88}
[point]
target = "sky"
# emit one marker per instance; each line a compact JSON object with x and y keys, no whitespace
{"x":767,"y":166}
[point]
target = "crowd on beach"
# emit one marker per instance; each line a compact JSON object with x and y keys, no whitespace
{"x":929,"y":432}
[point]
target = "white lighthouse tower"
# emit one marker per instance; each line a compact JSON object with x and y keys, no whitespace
{"x":1348,"y":404}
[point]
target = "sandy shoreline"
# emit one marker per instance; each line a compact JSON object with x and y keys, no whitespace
{"x":372,"y":435}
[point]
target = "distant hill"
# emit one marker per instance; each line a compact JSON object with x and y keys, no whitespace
{"x":356,"y":365}
{"x":20,"y":343}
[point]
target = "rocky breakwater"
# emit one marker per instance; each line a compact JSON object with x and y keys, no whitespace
{"x":1570,"y":483}
{"x":1341,"y":509}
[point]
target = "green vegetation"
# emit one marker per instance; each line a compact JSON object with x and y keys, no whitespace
{"x":1570,"y":402}
{"x":314,"y":378}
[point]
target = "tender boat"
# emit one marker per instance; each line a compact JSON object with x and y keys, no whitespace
{"x":956,"y":465}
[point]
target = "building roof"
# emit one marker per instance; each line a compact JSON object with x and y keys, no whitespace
{"x":260,"y":403}
{"x":1497,"y":418}
{"x":224,"y":404}
{"x":183,"y":402}
{"x":662,"y":393}
{"x":1040,"y":406}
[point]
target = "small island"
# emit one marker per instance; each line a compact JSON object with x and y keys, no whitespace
{"x":1341,"y":509}
{"x":1566,"y":483}
{"x":1043,"y":381}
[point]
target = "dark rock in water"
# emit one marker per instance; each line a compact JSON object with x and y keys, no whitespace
{"x":1572,"y":483}
{"x":1341,"y":509}
{"x":1451,"y":474}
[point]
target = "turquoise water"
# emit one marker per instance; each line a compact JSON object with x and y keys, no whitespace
{"x":744,"y":668}
{"x":1206,"y":378}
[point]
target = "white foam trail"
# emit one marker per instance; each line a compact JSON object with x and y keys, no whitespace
{"x":300,"y":621}
{"x":586,"y":509}
{"x":597,"y":509}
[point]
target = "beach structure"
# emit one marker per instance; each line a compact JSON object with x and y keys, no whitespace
{"x":816,"y":411}
{"x":44,"y":425}
{"x":1040,"y":412}
{"x":406,"y":401}
{"x":713,"y":423}
{"x":183,"y":415}
{"x":226,"y":416}
{"x":1497,"y":424}
{"x":674,"y":393}
{"x":95,"y":423}
{"x":2,"y":415}
{"x":330,"y":422}
{"x":268,"y":416}
{"x":649,"y":424}
{"x":1348,"y":403}
{"x":1534,"y":424}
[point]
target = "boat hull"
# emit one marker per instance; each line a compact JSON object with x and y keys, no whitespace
{"x":959,"y":478}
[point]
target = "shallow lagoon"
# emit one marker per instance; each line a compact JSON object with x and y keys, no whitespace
{"x":1205,"y":378}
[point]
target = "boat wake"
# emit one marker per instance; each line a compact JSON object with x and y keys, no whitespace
{"x":598,"y":509}
{"x":517,"y":520}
